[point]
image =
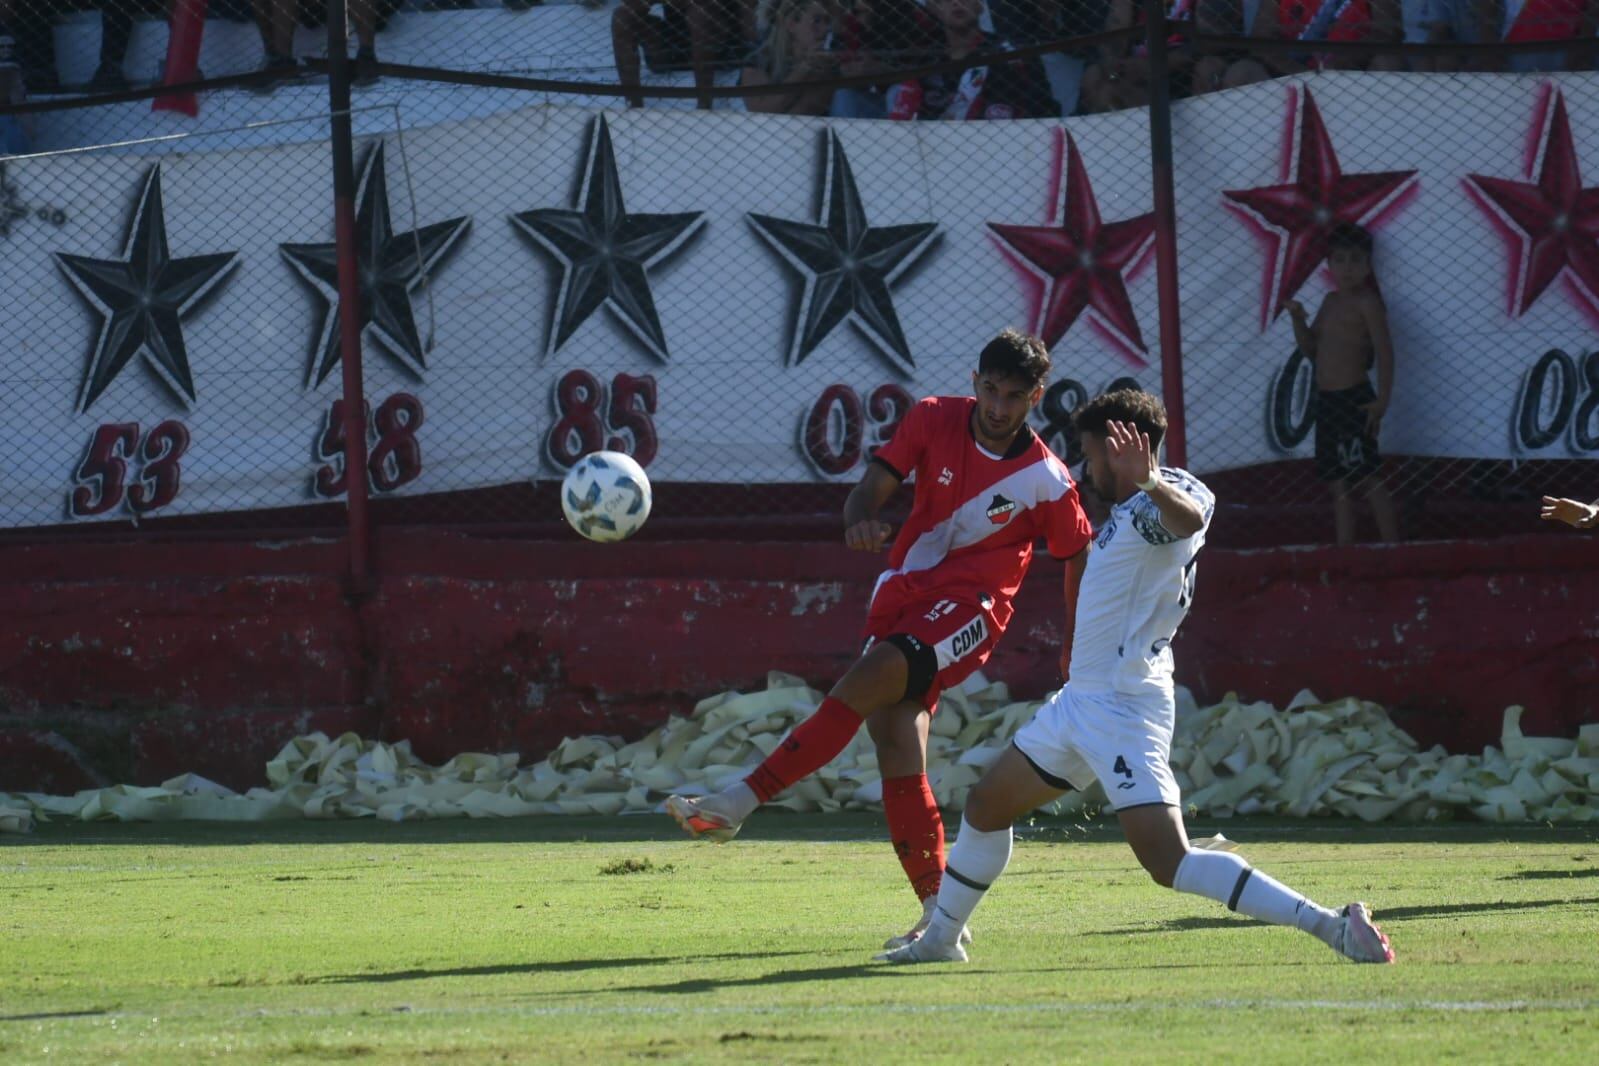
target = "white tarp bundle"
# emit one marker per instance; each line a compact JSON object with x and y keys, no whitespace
{"x":1344,"y":759}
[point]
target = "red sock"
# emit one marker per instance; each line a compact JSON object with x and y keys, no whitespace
{"x":917,"y":830}
{"x":812,"y":745}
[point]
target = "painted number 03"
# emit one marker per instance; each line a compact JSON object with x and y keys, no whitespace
{"x":833,"y":435}
{"x":1560,"y":395}
{"x":102,"y":476}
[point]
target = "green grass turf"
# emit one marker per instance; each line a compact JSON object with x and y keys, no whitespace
{"x":509,"y":941}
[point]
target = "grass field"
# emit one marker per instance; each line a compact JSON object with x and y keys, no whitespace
{"x":614,"y":940}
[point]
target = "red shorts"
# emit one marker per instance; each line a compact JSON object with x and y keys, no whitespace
{"x":949,"y":639}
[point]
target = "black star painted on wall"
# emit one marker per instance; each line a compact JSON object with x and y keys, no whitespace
{"x":847,"y":265}
{"x":142,"y":299}
{"x":606,"y":252}
{"x":390,"y":266}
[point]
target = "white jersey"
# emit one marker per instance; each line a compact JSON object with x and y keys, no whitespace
{"x":1135,"y":593}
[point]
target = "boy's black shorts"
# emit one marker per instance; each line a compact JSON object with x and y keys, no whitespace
{"x":1344,"y":450}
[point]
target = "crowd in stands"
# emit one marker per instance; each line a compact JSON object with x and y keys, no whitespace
{"x":778,"y":43}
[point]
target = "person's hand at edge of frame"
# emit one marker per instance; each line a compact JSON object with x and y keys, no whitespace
{"x":1573,"y":513}
{"x":868,"y":535}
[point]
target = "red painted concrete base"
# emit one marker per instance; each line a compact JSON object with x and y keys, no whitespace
{"x":208,"y":655}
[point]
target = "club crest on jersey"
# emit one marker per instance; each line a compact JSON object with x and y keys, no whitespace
{"x":999,"y":510}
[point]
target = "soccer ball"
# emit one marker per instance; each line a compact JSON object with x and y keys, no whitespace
{"x":606,"y":496}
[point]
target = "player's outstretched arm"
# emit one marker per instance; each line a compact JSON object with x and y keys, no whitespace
{"x":1571,"y":512}
{"x":862,"y":529}
{"x":1133,"y":461}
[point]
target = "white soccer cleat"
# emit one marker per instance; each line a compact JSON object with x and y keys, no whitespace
{"x":915,"y":931}
{"x":1360,"y":939}
{"x":922,"y":950}
{"x":700,"y":822}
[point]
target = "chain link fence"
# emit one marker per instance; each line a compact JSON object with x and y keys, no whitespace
{"x":748,"y":301}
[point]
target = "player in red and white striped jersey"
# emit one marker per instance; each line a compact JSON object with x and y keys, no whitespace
{"x":987,"y":488}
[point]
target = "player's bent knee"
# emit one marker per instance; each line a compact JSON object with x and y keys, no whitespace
{"x":1157,"y":839}
{"x":896,"y":732}
{"x":988,"y":808}
{"x":1163,"y":874}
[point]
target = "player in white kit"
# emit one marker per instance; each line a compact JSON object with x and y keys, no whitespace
{"x":1113,"y":720}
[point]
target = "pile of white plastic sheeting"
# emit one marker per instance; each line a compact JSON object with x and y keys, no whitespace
{"x":1344,"y":759}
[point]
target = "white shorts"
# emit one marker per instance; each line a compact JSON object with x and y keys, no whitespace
{"x":1075,"y":739}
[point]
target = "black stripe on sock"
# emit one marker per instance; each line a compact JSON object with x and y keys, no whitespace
{"x":950,"y":871}
{"x":1238,"y":889}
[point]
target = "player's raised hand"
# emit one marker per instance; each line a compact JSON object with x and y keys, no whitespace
{"x":1571,"y":512}
{"x":1130,"y":456}
{"x":868,"y":535}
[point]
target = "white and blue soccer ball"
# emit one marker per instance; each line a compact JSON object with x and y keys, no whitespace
{"x":606,"y":496}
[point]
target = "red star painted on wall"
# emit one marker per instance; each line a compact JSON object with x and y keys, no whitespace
{"x":1553,"y":221}
{"x":1082,"y":262}
{"x":1296,"y":217}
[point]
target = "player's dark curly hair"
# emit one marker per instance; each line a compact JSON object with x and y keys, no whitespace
{"x":1014,"y":354}
{"x":1134,"y":406}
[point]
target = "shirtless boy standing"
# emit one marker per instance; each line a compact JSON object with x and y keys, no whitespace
{"x":1349,"y":333}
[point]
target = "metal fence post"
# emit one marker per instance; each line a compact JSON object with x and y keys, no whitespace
{"x":1160,"y":152}
{"x":344,"y":236}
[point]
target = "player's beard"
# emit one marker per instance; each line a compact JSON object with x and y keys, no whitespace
{"x":1003,"y":436}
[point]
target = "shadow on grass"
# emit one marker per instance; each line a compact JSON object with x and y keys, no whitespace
{"x":1551,"y":875}
{"x":47,"y":1015}
{"x":562,"y":966}
{"x":1383,"y":914}
{"x":699,"y":985}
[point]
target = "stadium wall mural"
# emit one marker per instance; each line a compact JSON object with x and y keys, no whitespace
{"x":171,"y":346}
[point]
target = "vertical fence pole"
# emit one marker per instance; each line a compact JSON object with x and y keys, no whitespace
{"x":342,"y":143}
{"x":1160,"y":151}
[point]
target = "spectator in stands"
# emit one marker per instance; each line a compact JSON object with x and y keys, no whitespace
{"x":795,"y":51}
{"x":29,"y":22}
{"x":276,"y":19}
{"x":13,"y":135}
{"x":116,"y":29}
{"x":1573,"y":513}
{"x":1517,"y":21}
{"x":364,"y":16}
{"x":697,"y":34}
{"x":1326,"y":20}
{"x":1022,"y":22}
{"x":1224,"y":70}
{"x":1007,"y":88}
{"x":1120,"y":79}
{"x":880,"y":37}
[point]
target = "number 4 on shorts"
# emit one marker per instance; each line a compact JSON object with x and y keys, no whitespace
{"x":1122,"y":768}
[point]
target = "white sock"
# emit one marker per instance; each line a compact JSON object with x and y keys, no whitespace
{"x":1227,"y":878}
{"x":975,"y":861}
{"x":737,"y":801}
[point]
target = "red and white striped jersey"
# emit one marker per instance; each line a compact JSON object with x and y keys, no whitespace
{"x":970,"y":533}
